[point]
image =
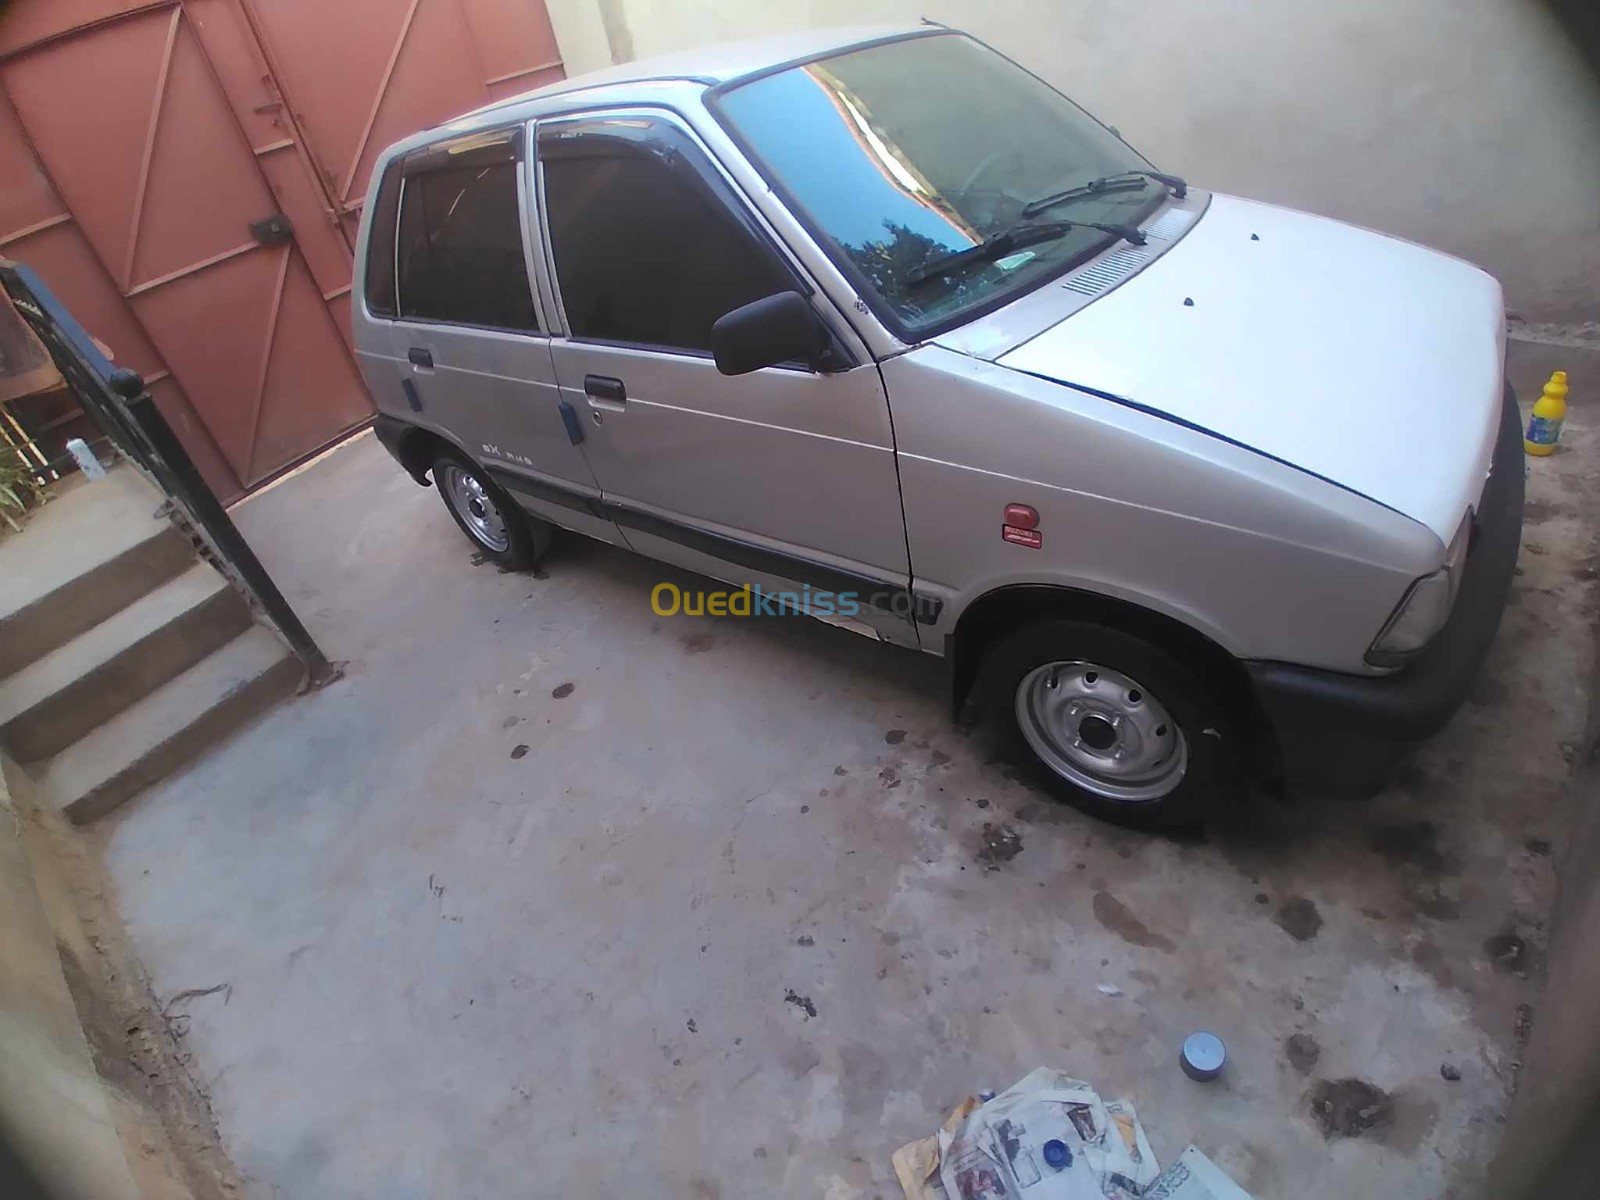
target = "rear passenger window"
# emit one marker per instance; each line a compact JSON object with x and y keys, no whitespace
{"x":460,"y":250}
{"x":380,"y":245}
{"x":650,"y":248}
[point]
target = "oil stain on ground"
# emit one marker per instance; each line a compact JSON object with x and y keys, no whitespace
{"x":1120,"y":919}
{"x":1302,"y":1050}
{"x":998,"y":845}
{"x":1508,"y":951}
{"x":1298,"y":918}
{"x":1410,"y":844}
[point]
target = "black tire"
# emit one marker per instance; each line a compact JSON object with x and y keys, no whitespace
{"x":525,"y":540}
{"x":1062,"y":656}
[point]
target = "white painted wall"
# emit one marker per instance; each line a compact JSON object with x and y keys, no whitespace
{"x":1470,"y":125}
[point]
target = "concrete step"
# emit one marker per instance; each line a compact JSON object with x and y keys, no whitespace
{"x":53,"y":702}
{"x":169,"y":728}
{"x":92,"y":550}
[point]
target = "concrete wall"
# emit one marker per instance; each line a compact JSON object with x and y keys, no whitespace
{"x":96,"y":1100}
{"x":1470,"y":125}
{"x":53,"y":1108}
{"x":1552,"y":1141}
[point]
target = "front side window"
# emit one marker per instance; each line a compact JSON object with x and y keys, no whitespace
{"x":460,"y":249}
{"x":649,"y":246}
{"x":898,"y":154}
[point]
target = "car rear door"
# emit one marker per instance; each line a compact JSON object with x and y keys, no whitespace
{"x":783,"y":478}
{"x":470,"y":343}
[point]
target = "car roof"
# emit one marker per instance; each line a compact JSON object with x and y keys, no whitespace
{"x":712,"y":65}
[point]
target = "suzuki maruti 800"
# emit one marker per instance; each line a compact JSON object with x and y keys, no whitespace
{"x":1182,"y":485}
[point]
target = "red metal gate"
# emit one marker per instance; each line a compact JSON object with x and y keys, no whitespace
{"x":415,"y":63}
{"x":141,"y":142}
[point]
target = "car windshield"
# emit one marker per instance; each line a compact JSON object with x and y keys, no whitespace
{"x":902,"y":153}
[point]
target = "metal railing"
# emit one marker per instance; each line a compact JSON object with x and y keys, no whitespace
{"x":117,"y":400}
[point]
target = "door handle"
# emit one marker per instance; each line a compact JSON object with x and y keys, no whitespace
{"x":605,"y":392}
{"x":420,"y":357}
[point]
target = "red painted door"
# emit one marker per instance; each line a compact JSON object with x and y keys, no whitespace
{"x":140,"y":140}
{"x":131,"y":124}
{"x":415,"y":63}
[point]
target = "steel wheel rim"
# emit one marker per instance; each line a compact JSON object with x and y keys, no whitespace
{"x":470,"y":501}
{"x":1101,"y":730}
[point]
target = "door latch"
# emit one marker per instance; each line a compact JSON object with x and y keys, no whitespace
{"x":272,"y":231}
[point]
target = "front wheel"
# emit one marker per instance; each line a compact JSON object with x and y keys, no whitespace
{"x":491,"y":519}
{"x":1111,"y":723}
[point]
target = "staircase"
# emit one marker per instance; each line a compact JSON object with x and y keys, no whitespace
{"x":123,"y":655}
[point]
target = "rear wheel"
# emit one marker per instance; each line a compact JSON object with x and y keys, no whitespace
{"x":1111,"y":723}
{"x":503,"y":533}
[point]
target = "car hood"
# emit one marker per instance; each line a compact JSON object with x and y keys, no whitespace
{"x":1371,"y":362}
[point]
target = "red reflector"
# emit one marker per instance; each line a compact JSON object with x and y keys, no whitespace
{"x":1023,"y":516}
{"x":1031,"y":538}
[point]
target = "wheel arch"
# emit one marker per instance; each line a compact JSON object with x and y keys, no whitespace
{"x":415,"y":447}
{"x":1003,"y":610}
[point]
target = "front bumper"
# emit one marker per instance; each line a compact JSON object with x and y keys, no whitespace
{"x":1348,"y":731}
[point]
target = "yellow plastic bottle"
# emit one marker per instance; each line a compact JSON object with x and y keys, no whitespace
{"x":1544,"y":426}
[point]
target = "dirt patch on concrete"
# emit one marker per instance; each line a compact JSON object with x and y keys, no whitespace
{"x":1346,"y":1108}
{"x":1302,"y":1051}
{"x":1537,"y":512}
{"x":1517,"y":950}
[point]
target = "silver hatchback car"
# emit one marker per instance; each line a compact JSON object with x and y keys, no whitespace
{"x":879,"y":327}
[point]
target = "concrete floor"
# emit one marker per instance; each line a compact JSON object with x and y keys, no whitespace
{"x":454,"y":971}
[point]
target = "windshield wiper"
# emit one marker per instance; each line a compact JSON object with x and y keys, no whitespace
{"x":1122,"y":181}
{"x":1011,"y":240}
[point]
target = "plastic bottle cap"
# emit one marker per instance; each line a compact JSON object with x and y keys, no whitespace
{"x":1057,"y":1154}
{"x":1203,"y":1056}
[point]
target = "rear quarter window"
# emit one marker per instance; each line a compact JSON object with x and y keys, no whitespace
{"x":460,"y":243}
{"x":380,"y":245}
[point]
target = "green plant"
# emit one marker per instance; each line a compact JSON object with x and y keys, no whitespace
{"x":20,"y":488}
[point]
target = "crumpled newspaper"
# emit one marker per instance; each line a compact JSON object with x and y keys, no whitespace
{"x":916,"y":1164}
{"x":1097,"y":1150}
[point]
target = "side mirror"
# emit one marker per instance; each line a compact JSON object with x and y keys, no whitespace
{"x":766,"y":332}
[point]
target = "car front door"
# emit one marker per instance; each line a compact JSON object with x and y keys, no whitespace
{"x":468,"y":340}
{"x":783,"y":478}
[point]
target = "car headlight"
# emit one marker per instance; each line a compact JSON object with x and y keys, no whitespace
{"x":1424,"y":608}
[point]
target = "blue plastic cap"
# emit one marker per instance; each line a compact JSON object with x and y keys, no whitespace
{"x":1203,"y":1056}
{"x":1057,"y":1154}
